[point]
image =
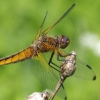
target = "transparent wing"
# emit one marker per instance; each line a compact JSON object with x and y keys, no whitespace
{"x":45,"y":74}
{"x":84,"y":71}
{"x":40,"y":29}
{"x":48,"y":29}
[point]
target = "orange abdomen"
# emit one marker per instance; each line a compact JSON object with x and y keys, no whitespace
{"x":22,"y":55}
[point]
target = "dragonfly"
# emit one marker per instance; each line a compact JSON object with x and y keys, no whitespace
{"x":38,"y":64}
{"x":71,"y":66}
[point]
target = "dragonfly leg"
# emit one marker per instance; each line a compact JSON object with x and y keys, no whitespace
{"x":58,"y":58}
{"x":50,"y":60}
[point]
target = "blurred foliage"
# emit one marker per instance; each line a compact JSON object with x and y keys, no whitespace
{"x":19,"y":23}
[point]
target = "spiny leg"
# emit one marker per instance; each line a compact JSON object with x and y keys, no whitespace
{"x":50,"y":62}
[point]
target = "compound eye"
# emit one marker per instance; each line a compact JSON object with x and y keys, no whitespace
{"x":64,"y":41}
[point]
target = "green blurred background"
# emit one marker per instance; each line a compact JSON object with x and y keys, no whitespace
{"x":19,"y":23}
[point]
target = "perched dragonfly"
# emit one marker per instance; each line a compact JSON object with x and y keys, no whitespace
{"x":71,"y":66}
{"x":41,"y":44}
{"x":34,"y":52}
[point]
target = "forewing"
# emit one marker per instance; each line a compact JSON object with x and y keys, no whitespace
{"x":45,"y":74}
{"x":84,"y":71}
{"x":66,"y":13}
{"x":40,"y":29}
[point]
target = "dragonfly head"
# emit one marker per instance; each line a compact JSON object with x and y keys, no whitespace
{"x":63,"y":41}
